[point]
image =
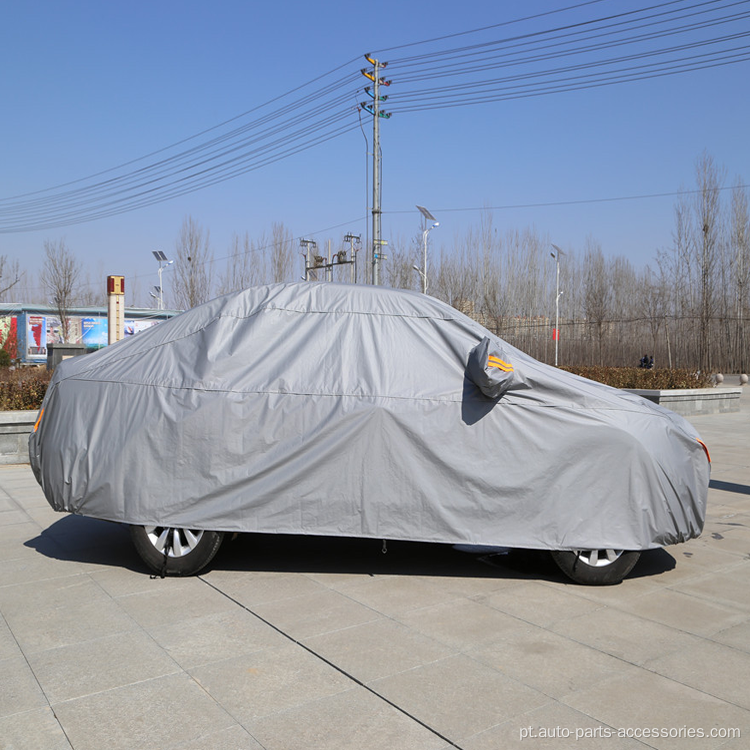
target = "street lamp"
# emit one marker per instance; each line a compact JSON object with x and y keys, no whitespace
{"x":428,"y":217}
{"x":556,"y":255}
{"x":164,"y":262}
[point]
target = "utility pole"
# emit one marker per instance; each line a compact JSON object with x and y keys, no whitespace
{"x":353,"y":239}
{"x":307,"y":245}
{"x":377,"y":113}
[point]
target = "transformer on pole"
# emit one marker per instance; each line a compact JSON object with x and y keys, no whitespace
{"x":315,"y":262}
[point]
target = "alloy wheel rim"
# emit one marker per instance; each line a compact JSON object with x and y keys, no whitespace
{"x":176,"y":542}
{"x":598,"y":558}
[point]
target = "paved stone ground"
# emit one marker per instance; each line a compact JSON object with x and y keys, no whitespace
{"x":311,"y":643}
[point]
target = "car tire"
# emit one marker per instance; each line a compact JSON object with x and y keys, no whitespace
{"x":175,"y":552}
{"x":602,"y":567}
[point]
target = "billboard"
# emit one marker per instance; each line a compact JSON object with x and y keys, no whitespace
{"x":94,"y":332}
{"x":36,"y":337}
{"x":9,"y":335}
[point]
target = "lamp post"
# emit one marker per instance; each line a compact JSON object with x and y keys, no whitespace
{"x":556,"y":255}
{"x":164,"y":262}
{"x":423,"y":277}
{"x":428,"y":217}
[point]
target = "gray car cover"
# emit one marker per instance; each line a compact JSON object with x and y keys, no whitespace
{"x":329,"y":409}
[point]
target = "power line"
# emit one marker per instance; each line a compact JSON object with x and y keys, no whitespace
{"x":544,"y":61}
{"x":579,"y":202}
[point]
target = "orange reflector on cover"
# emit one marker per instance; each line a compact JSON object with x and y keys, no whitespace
{"x":494,"y":361}
{"x":38,"y":420}
{"x":705,"y":448}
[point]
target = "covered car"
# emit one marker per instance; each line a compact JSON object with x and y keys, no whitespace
{"x":360,"y":411}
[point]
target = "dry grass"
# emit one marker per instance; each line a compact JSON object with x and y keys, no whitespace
{"x":23,"y":387}
{"x":637,"y":377}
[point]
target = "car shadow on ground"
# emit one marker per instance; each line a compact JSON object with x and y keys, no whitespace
{"x":312,"y":554}
{"x":88,"y":540}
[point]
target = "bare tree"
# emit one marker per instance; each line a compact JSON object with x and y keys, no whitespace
{"x":245,"y":265}
{"x":706,"y":238}
{"x":92,"y":293}
{"x":739,"y":242}
{"x":282,"y":253}
{"x":597,"y":294}
{"x":10,"y":275}
{"x":399,"y":269}
{"x":456,"y":279}
{"x":60,"y":274}
{"x":193,"y":274}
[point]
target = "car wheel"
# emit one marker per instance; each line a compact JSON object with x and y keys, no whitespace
{"x":596,"y":567}
{"x":175,"y":552}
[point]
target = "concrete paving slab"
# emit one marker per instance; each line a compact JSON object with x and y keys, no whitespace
{"x":13,"y":539}
{"x":161,"y":713}
{"x":233,"y":738}
{"x":42,"y":629}
{"x":731,"y":588}
{"x":540,"y":604}
{"x":650,"y":574}
{"x":355,"y":719}
{"x":464,"y":626}
{"x":459,"y":696}
{"x":550,"y":727}
{"x":627,"y":636}
{"x":99,"y":664}
{"x":120,"y":581}
{"x":269,"y":681}
{"x":706,"y":667}
{"x":644,"y":700}
{"x":550,"y":663}
{"x":9,"y":648}
{"x":33,"y":730}
{"x":475,"y":586}
{"x":696,"y":558}
{"x":9,"y":516}
{"x":737,"y":636}
{"x":171,"y":600}
{"x":215,"y":638}
{"x":315,"y":614}
{"x":396,"y":595}
{"x":19,"y":689}
{"x":685,"y":612}
{"x":31,"y":568}
{"x":735,"y":540}
{"x":378,"y":649}
{"x":264,"y":587}
{"x":63,"y":590}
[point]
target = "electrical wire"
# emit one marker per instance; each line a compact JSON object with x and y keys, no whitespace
{"x":578,"y":202}
{"x":534,"y":62}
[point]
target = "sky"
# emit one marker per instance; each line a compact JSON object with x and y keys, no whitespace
{"x":89,"y":86}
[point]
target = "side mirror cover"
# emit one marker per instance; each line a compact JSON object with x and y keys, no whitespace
{"x":491,"y":369}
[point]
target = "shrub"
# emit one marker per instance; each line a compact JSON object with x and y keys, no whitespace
{"x":23,"y":388}
{"x":637,"y":377}
{"x":5,"y":360}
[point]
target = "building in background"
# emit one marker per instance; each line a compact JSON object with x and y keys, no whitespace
{"x":26,"y":331}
